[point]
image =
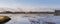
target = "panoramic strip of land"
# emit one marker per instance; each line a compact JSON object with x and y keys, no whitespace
{"x":9,"y":12}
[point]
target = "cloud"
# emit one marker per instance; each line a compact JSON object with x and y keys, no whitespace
{"x":13,"y":6}
{"x":21,"y":7}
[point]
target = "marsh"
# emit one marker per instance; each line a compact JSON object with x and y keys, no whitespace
{"x":27,"y":18}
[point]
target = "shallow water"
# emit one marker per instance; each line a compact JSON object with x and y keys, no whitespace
{"x":25,"y":18}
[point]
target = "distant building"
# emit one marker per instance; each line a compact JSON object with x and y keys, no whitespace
{"x":57,"y":10}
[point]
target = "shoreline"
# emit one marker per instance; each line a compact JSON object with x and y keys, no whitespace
{"x":27,"y":13}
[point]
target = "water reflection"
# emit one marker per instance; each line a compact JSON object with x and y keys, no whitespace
{"x":32,"y":18}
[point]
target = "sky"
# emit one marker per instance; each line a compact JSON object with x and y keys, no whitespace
{"x":28,"y":5}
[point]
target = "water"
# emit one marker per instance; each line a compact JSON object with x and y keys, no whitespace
{"x":28,"y":18}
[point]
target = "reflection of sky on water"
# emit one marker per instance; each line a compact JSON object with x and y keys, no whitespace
{"x":18,"y":21}
{"x":24,"y":18}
